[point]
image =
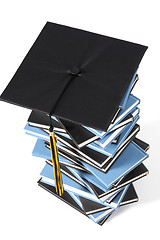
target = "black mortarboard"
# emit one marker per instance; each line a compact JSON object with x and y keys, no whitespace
{"x":75,"y":74}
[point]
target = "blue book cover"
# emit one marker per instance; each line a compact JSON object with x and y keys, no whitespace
{"x":40,"y":150}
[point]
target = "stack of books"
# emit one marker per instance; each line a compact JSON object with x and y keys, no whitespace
{"x":80,"y":83}
{"x":98,"y":167}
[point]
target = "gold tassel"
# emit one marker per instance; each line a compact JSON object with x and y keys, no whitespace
{"x":55,"y":162}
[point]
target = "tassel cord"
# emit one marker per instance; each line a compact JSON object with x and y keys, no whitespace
{"x":55,"y":160}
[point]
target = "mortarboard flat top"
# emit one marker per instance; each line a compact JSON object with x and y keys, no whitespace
{"x":75,"y":74}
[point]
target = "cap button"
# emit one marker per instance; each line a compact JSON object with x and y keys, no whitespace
{"x":75,"y":71}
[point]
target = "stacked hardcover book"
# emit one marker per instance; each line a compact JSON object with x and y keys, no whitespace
{"x":98,"y":168}
{"x":80,"y":83}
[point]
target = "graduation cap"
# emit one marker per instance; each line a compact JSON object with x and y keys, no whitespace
{"x":76,"y":75}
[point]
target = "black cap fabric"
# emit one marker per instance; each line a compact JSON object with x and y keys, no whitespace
{"x":75,"y":74}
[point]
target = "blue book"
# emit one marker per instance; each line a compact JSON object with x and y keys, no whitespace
{"x":132,"y":102}
{"x":40,"y":150}
{"x":130,"y":158}
{"x":91,"y":179}
{"x":43,"y":135}
{"x":41,"y":120}
{"x":68,"y":183}
{"x":36,"y":132}
{"x":97,"y":217}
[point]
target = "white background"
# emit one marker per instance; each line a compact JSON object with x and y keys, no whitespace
{"x":26,"y":210}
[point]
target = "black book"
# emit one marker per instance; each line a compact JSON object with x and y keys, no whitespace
{"x":128,"y":119}
{"x":129,"y":197}
{"x":91,"y":206}
{"x":86,"y":154}
{"x":125,"y":143}
{"x":68,"y":173}
{"x":75,"y":74}
{"x":135,"y":81}
{"x":115,"y":141}
{"x":79,"y":134}
{"x":75,"y":163}
{"x":65,"y":196}
{"x":41,"y":120}
{"x":145,"y":146}
{"x":136,"y":174}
